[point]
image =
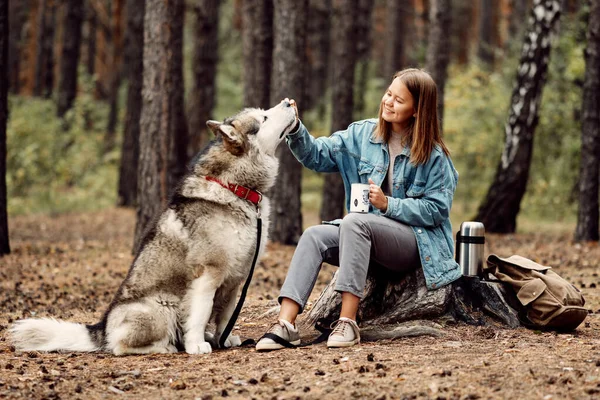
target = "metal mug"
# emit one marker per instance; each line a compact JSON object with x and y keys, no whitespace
{"x":470,"y":240}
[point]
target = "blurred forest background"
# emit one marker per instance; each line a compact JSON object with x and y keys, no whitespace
{"x":87,"y":80}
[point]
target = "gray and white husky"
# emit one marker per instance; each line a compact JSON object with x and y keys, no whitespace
{"x":195,"y":256}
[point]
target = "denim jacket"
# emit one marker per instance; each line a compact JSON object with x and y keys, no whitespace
{"x":421,"y":195}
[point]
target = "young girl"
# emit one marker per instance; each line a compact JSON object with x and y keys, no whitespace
{"x":412,"y":182}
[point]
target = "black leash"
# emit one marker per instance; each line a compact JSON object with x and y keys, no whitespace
{"x":240,"y":303}
{"x":323,"y":325}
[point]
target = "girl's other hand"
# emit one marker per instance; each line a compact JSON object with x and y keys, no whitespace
{"x":376,"y":196}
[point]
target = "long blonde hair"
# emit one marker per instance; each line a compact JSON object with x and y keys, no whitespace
{"x":423,"y":132}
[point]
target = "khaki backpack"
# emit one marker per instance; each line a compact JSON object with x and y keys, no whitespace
{"x":549,"y":301}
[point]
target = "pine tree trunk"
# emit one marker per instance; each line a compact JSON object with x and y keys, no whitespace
{"x":485,"y":49}
{"x":589,"y":175}
{"x":48,"y":80}
{"x":204,"y":67}
{"x":395,"y":34}
{"x":17,"y":17}
{"x":438,"y":48}
{"x":257,"y":48}
{"x":91,"y":40}
{"x":517,"y":19}
{"x":157,"y":115}
{"x":69,"y":60}
{"x":4,"y":39}
{"x":289,"y":60}
{"x":40,"y":52}
{"x":423,"y":35}
{"x":503,"y":200}
{"x":130,"y":150}
{"x":363,"y":50}
{"x":462,"y":13}
{"x":115,"y":79}
{"x":344,"y":52}
{"x":178,"y":129}
{"x":318,"y":43}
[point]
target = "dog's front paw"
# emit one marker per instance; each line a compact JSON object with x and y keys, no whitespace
{"x":198,"y":348}
{"x":233,"y":341}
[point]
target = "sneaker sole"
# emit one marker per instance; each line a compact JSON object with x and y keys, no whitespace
{"x":274,"y":346}
{"x":333,"y":345}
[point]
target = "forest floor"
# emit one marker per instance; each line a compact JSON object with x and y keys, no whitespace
{"x":70,"y":266}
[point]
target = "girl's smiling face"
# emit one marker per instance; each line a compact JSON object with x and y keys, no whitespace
{"x":397,"y":105}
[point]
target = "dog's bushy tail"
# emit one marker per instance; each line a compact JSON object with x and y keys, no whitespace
{"x":48,"y":334}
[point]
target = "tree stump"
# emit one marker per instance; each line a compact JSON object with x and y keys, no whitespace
{"x":403,"y":306}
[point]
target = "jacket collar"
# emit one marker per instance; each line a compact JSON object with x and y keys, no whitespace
{"x":377,"y":140}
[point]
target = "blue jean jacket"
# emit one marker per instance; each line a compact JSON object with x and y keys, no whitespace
{"x":421,"y":195}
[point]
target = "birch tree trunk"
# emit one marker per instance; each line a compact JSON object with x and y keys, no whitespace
{"x":4,"y":243}
{"x":289,"y":37}
{"x":499,"y":210}
{"x":438,"y":47}
{"x":589,"y":174}
{"x":204,"y":69}
{"x":342,"y":105}
{"x":69,"y":60}
{"x":257,"y":49}
{"x":130,"y":150}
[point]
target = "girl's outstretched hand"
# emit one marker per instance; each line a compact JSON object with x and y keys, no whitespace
{"x":376,"y":196}
{"x":294,"y":105}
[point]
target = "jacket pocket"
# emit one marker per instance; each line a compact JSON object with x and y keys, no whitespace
{"x":416,"y":189}
{"x":441,"y":243}
{"x":365,"y":170}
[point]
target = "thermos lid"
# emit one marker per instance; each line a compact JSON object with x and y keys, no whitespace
{"x":472,"y":228}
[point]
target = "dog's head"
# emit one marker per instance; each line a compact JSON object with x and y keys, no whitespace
{"x":254,"y":129}
{"x":244,"y":149}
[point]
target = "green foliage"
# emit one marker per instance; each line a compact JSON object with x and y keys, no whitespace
{"x":57,"y":166}
{"x":476,"y":108}
{"x":552,"y":189}
{"x":54,"y":168}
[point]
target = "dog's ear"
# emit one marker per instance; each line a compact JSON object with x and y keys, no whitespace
{"x":234,"y":142}
{"x":214,"y":126}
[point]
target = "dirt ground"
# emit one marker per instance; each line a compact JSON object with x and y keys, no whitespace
{"x":69,"y":267}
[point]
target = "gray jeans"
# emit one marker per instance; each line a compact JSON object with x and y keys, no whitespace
{"x":362,"y":240}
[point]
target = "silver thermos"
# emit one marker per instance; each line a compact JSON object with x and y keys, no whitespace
{"x":470,"y":240}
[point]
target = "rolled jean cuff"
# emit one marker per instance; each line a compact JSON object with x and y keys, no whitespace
{"x":294,"y":299}
{"x":354,"y":291}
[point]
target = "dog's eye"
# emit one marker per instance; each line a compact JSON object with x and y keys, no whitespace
{"x":265,"y":118}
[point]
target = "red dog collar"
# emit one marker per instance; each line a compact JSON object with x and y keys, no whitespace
{"x":253,"y":196}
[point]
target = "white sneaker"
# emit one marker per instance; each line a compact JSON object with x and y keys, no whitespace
{"x":280,"y":335}
{"x":345,"y":333}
